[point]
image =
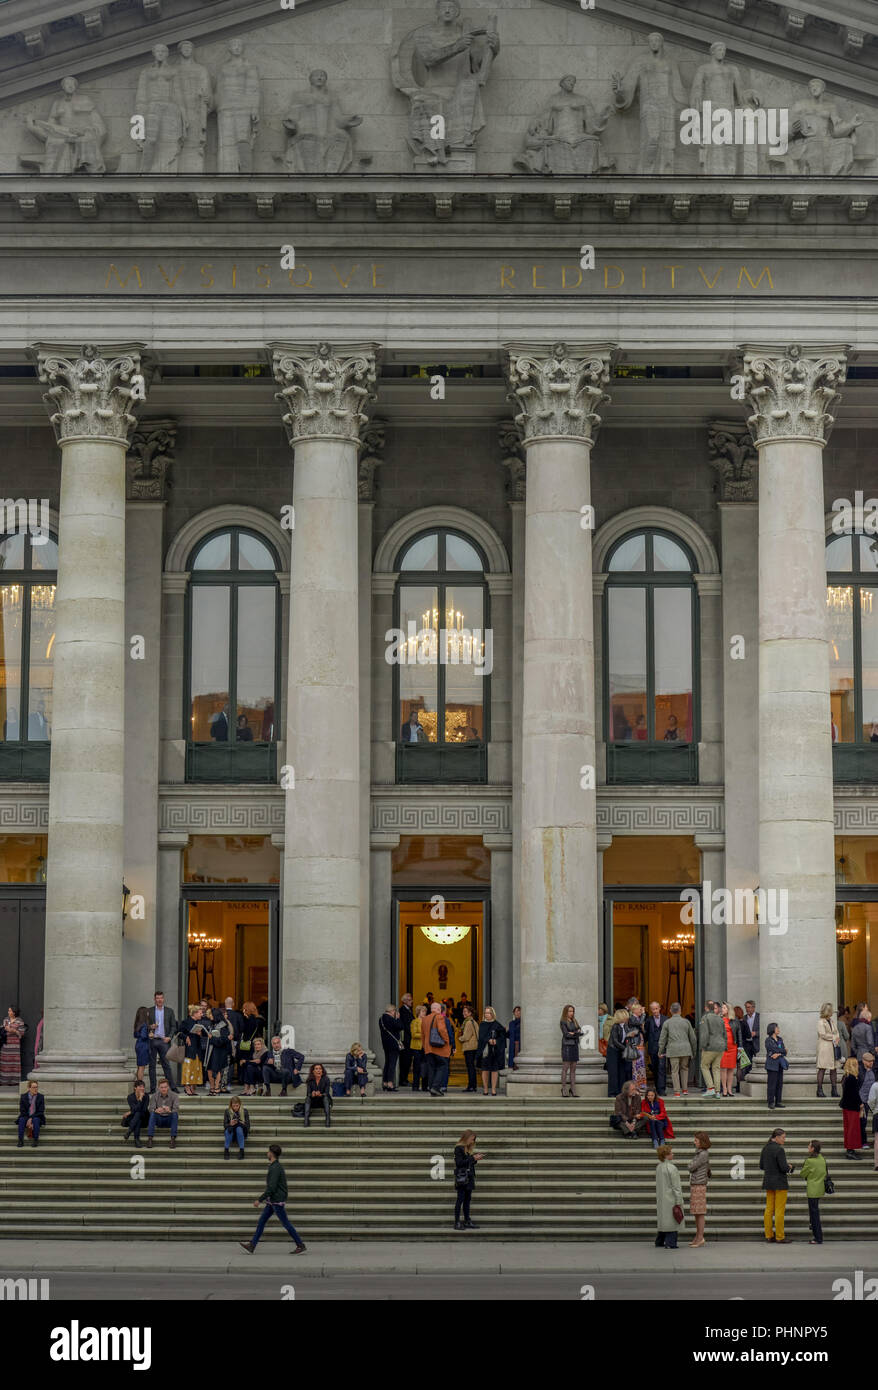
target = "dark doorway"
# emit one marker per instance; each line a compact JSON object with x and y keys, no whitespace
{"x":22,"y":961}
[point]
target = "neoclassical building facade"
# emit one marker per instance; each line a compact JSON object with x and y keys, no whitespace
{"x":439,"y":516}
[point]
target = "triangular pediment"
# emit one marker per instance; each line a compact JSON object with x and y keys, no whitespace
{"x":355,"y":41}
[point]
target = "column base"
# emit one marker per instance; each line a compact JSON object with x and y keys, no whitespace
{"x":799,"y":1082}
{"x":541,"y":1077}
{"x":98,"y":1074}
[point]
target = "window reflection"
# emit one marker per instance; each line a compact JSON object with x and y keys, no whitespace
{"x":210,"y":717}
{"x":27,"y":638}
{"x":627,"y":663}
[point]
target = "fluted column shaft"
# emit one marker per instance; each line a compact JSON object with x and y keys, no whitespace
{"x":89,"y":399}
{"x":792,"y":392}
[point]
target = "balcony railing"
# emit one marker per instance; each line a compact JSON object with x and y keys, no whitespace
{"x":648,"y":762}
{"x":441,"y":762}
{"x":24,"y":762}
{"x":235,"y":762}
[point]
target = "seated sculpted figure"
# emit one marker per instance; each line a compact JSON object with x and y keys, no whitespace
{"x":823,"y":142}
{"x":319,"y":139}
{"x":565,"y":137}
{"x":73,"y":133}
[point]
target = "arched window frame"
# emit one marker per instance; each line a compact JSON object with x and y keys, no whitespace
{"x":442,"y":761}
{"x":660,"y":761}
{"x":27,"y":759}
{"x":854,"y":760}
{"x":232,"y":760}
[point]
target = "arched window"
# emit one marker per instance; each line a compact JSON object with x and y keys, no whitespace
{"x":443,"y":662}
{"x":28,"y":574}
{"x":233,"y":646}
{"x":852,"y":606}
{"x":650,"y":646}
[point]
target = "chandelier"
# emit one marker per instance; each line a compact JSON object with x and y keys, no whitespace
{"x":453,"y":643}
{"x":684,"y":940}
{"x":42,"y":596}
{"x":446,"y":934}
{"x":203,"y":942}
{"x":845,"y":935}
{"x":840,"y":599}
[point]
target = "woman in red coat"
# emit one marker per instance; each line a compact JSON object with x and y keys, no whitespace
{"x":653,"y":1107}
{"x":729,"y":1061}
{"x":851,"y":1105}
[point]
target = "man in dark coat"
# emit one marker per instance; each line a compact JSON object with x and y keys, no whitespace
{"x":406,"y":1014}
{"x":776,"y":1170}
{"x":655,"y":1021}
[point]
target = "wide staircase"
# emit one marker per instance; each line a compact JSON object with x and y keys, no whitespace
{"x":553,"y":1170}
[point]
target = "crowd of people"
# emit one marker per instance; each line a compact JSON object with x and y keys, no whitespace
{"x":421,"y":1039}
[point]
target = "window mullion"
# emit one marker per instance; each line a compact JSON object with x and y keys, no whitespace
{"x":858,"y":664}
{"x":233,"y":665}
{"x":440,"y":675}
{"x":650,"y":665}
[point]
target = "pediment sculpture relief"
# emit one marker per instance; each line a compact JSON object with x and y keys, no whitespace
{"x":73,"y":134}
{"x":565,"y":137}
{"x":319,"y":132}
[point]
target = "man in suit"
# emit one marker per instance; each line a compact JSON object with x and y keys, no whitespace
{"x":164,"y":1112}
{"x":406,"y":1014}
{"x":655,"y":1021}
{"x":160,"y":1040}
{"x":750,"y":1030}
{"x":413,"y":731}
{"x":31,"y":1111}
{"x":280,"y":1064}
{"x":137,"y":1114}
{"x":235,"y":1020}
{"x":219,"y":727}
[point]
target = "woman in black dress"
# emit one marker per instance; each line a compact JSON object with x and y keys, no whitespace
{"x":252,"y":1027}
{"x":219,"y":1048}
{"x":492,"y":1050}
{"x":465,"y":1160}
{"x":317,"y":1092}
{"x":390,"y":1028}
{"x":571,"y":1032}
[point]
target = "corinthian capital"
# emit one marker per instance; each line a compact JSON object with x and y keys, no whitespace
{"x":793,"y":393}
{"x":92,"y":391}
{"x":324,"y":391}
{"x":558,"y":389}
{"x":733,"y":455}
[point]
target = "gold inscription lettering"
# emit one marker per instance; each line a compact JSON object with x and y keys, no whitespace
{"x":619,"y":283}
{"x":344,"y":283}
{"x":534,"y":270}
{"x":507,"y":270}
{"x":564,"y":270}
{"x":643,"y":277}
{"x":135,"y":270}
{"x":234,"y":276}
{"x":206,"y":280}
{"x":377,"y":284}
{"x":672,"y":268}
{"x":754,"y":284}
{"x":710,"y":283}
{"x":300,"y":284}
{"x":170,"y":283}
{"x":266,"y":283}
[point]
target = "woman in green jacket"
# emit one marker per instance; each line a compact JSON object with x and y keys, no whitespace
{"x":668,"y":1195}
{"x":814,"y":1173}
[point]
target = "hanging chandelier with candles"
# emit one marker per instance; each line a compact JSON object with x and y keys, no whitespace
{"x":453,"y":644}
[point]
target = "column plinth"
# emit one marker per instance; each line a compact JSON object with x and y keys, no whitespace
{"x":558,"y":391}
{"x":90,"y":398}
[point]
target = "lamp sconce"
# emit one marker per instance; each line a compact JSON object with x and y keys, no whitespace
{"x":126,"y":894}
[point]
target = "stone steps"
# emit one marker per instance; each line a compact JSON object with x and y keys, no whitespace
{"x":554,"y":1171}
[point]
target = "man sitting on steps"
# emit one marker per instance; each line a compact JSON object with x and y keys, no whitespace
{"x":164,"y":1111}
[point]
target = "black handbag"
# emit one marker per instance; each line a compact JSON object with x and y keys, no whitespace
{"x":828,"y":1185}
{"x":837,"y":1050}
{"x":299,"y":1108}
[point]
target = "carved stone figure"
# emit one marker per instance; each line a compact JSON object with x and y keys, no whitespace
{"x":238,"y":111}
{"x":73,"y":133}
{"x":823,"y":142}
{"x":656,"y":79}
{"x":159,"y":101}
{"x":719,"y":83}
{"x":319,"y":141}
{"x":565,"y":137}
{"x":197,"y":92}
{"x":442,"y":67}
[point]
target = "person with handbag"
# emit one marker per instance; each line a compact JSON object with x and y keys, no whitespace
{"x":699,"y":1173}
{"x":219,"y":1048}
{"x":668,"y":1199}
{"x":355,"y":1073}
{"x":465,"y":1160}
{"x":816,"y":1176}
{"x":195,"y":1029}
{"x":658,"y":1121}
{"x":728,"y":1062}
{"x":469,"y":1042}
{"x":776,"y":1169}
{"x":775,"y":1065}
{"x":236,"y":1126}
{"x":252,"y":1027}
{"x":828,"y":1050}
{"x":437,"y":1048}
{"x":390,"y":1028}
{"x":419,"y":1060}
{"x":620,"y":1055}
{"x":317,"y":1093}
{"x":571,"y":1032}
{"x":491,"y":1057}
{"x":137,"y":1114}
{"x":164,"y":1029}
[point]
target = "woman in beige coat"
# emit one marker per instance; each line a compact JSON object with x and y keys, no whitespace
{"x":827,"y":1042}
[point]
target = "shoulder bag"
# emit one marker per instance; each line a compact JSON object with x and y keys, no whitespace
{"x":828,"y":1185}
{"x":436,"y":1038}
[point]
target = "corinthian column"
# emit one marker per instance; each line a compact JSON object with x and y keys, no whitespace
{"x":90,"y":397}
{"x":558,"y":391}
{"x":792,"y":393}
{"x":322,"y":393}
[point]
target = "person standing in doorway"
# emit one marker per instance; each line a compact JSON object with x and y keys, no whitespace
{"x":469,"y":1043}
{"x":619,"y":1066}
{"x":750,"y":1030}
{"x":668,"y":1198}
{"x":677,"y":1044}
{"x":390,"y":1029}
{"x":492,"y":1043}
{"x":405,"y":1016}
{"x":814,"y":1172}
{"x":655,"y":1022}
{"x":571,"y":1032}
{"x":828,"y":1050}
{"x":437,"y":1048}
{"x":161,"y":1015}
{"x":775,"y":1066}
{"x":419,"y":1070}
{"x":699,"y":1173}
{"x":275,"y":1199}
{"x":776,"y":1170}
{"x":712,"y":1042}
{"x":465,"y":1160}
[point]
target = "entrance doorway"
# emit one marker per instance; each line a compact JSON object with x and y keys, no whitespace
{"x":22,"y":961}
{"x":229,"y":942}
{"x":442,"y":953}
{"x":648,"y":952}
